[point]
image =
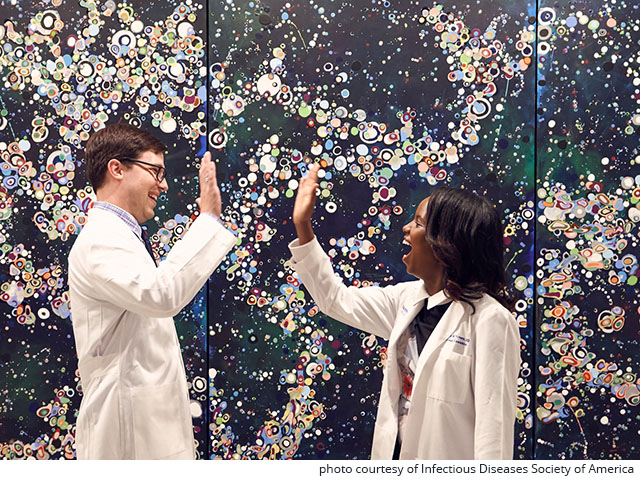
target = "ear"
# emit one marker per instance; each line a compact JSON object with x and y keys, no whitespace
{"x":115,"y":169}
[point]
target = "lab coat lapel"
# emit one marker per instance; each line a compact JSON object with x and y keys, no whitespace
{"x":408,"y":312}
{"x":445,"y":327}
{"x":109,"y":223}
{"x":386,"y":425}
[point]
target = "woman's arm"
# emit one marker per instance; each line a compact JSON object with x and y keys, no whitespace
{"x":372,"y":309}
{"x":305,"y":204}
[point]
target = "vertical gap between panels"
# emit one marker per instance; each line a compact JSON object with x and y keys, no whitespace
{"x":207,"y":413}
{"x":534,"y":325}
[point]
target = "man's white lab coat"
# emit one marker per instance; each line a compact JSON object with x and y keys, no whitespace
{"x":463,"y":402}
{"x":135,"y":400}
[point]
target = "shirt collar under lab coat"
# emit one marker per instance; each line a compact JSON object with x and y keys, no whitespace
{"x":438,"y":298}
{"x":123,"y":215}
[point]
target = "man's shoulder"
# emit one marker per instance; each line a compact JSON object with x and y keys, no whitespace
{"x":102,"y":228}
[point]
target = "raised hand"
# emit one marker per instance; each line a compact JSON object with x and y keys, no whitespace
{"x":209,"y":200}
{"x":304,"y":205}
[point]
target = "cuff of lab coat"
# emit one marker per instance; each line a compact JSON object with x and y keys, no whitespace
{"x":307,"y":258}
{"x":301,"y":253}
{"x":216,"y":228}
{"x":217,"y":219}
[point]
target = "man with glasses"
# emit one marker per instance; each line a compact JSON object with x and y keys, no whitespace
{"x":135,"y":398}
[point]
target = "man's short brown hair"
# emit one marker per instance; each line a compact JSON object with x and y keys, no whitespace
{"x":118,"y":141}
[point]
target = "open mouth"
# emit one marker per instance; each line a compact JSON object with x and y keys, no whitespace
{"x":406,"y":243}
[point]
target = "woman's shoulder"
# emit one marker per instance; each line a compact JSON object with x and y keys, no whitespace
{"x":494,"y":323}
{"x":405,"y":290}
{"x":411,"y":288}
{"x":490,"y":309}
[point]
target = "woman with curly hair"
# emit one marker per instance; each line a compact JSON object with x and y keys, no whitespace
{"x":450,"y":379}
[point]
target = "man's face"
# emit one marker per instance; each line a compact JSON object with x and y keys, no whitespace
{"x":141,"y":188}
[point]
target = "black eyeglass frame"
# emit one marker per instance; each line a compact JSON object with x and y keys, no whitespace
{"x":160,"y":172}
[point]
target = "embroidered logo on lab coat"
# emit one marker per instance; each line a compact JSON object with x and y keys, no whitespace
{"x":454,"y":338}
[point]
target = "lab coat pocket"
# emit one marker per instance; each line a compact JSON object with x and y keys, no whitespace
{"x":160,"y":428}
{"x":99,"y":429}
{"x":450,"y":380}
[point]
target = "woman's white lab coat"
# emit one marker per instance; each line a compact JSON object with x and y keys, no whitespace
{"x":135,"y":400}
{"x":463,"y":403}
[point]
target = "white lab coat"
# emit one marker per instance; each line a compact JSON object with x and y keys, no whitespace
{"x":135,"y":399}
{"x":463,"y":403}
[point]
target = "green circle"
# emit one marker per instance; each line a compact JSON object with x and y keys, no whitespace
{"x":304,"y":110}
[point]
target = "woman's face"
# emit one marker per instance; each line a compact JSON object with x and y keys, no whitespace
{"x":421,"y":262}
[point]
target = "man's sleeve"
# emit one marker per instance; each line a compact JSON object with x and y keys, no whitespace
{"x":123,"y":276}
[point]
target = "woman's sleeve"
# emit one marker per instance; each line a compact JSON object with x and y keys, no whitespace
{"x":497,"y":364}
{"x":372,"y":309}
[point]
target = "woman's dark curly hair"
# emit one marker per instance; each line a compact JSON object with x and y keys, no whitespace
{"x":466,"y":235}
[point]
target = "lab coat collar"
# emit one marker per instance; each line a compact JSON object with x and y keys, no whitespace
{"x":113,"y":216}
{"x":438,"y":298}
{"x":413,"y":305}
{"x":122,"y":214}
{"x":449,"y":320}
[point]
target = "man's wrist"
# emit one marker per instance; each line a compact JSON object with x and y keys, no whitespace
{"x":213,"y":215}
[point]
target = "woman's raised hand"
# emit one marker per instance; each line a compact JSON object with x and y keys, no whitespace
{"x":305,"y":203}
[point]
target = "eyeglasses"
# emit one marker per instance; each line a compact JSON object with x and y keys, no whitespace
{"x":159,"y":172}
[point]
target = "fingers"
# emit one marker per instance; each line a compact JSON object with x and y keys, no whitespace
{"x":305,"y":204}
{"x":207,"y":172}
{"x":206,"y":160}
{"x":307,"y":183}
{"x":312,"y":173}
{"x":209,"y":200}
{"x":310,"y":180}
{"x":306,"y":197}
